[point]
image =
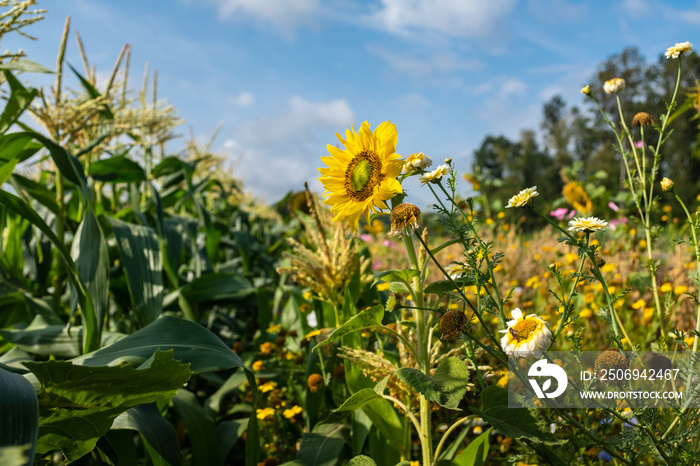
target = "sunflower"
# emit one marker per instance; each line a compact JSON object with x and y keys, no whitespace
{"x":359,"y":179}
{"x":577,"y":197}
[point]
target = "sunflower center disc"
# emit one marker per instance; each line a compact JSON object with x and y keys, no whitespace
{"x":360,"y":175}
{"x":363,"y":174}
{"x":523,"y":329}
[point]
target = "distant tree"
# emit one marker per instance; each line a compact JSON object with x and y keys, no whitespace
{"x":574,"y":134}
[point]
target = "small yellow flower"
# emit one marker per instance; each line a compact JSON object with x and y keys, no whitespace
{"x":523,"y":198}
{"x":265,"y":413}
{"x":268,"y":386}
{"x":291,"y":412}
{"x":588,"y":225}
{"x":435,"y":175}
{"x":586,"y":90}
{"x":680,"y":289}
{"x":382,"y":286}
{"x":274,"y":328}
{"x":667,"y":185}
{"x":642,"y":243}
{"x":258,"y":366}
{"x":313,"y":333}
{"x":266,"y":348}
{"x":678,"y":49}
{"x":640,"y":303}
{"x":586,"y":313}
{"x":614,"y":85}
{"x":608,"y":268}
{"x":307,"y":294}
{"x":501,"y":214}
{"x":666,"y":288}
{"x":525,"y":335}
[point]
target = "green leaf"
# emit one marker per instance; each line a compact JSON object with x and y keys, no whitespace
{"x":159,"y":433}
{"x":370,"y":318}
{"x":442,"y":287}
{"x":105,"y":113}
{"x":89,"y":250}
{"x":201,"y":430}
{"x":19,"y":207}
{"x":447,"y":385}
{"x":78,"y":404}
{"x":67,"y":164}
{"x":37,"y":191}
{"x":361,"y":460}
{"x":511,"y":422}
{"x":25,"y":65}
{"x":191,"y":343}
{"x":17,"y":103}
{"x":217,"y":286}
{"x":476,"y":452}
{"x":323,"y":445}
{"x":140,"y":254}
{"x":357,"y":400}
{"x":19,"y":414}
{"x":402,"y":276}
{"x":117,"y":170}
{"x":228,"y":433}
{"x":13,"y":150}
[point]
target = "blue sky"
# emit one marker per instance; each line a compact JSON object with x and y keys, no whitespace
{"x":285,"y":75}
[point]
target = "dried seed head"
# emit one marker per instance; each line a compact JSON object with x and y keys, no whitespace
{"x":610,"y":360}
{"x":315,"y":382}
{"x":452,"y":324}
{"x":642,"y":119}
{"x":405,"y":219}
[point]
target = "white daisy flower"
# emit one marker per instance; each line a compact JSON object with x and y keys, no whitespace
{"x":416,"y":162}
{"x":525,"y":336}
{"x":436,"y":174}
{"x":523,"y":198}
{"x":589,"y":224}
{"x":678,"y":49}
{"x":614,"y":85}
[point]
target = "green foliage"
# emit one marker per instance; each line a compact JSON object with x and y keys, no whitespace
{"x":446,"y":386}
{"x":78,"y":404}
{"x":366,"y":319}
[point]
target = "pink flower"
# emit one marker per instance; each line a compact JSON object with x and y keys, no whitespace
{"x":572,"y":213}
{"x":388,"y":243}
{"x":559,"y":213}
{"x":376,"y":265}
{"x":613,"y":206}
{"x":617,"y":221}
{"x":638,"y":144}
{"x":366,"y":237}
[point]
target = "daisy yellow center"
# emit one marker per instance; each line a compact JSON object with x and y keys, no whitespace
{"x":524,"y":329}
{"x":364,"y":172}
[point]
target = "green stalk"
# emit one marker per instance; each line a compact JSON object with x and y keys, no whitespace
{"x":423,"y":357}
{"x":60,"y":189}
{"x":697,"y":261}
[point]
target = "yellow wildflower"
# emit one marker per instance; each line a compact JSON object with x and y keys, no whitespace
{"x":265,"y":413}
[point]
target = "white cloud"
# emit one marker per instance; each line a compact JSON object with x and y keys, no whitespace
{"x":243,"y":99}
{"x":422,"y":66}
{"x":455,"y":18}
{"x":511,"y":86}
{"x":286,"y":16}
{"x":278,"y":153}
